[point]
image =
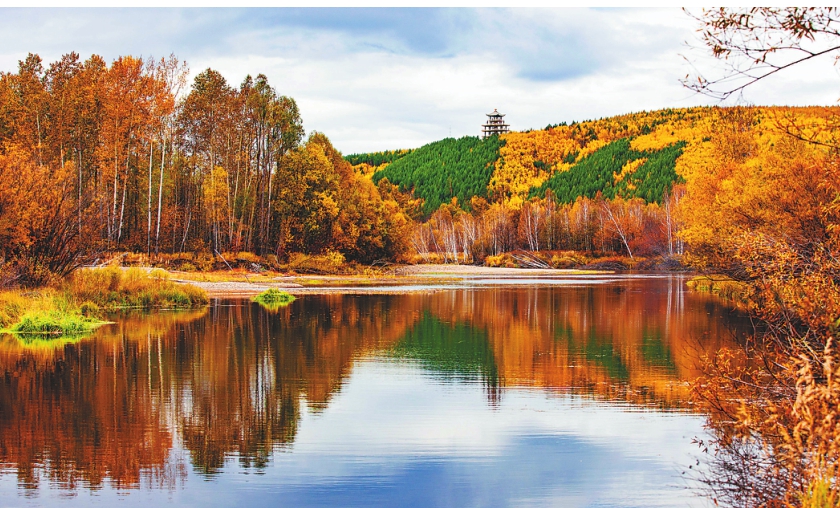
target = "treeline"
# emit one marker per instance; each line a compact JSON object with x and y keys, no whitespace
{"x":446,"y":169}
{"x":624,"y":227}
{"x":376,"y":158}
{"x":99,"y":157}
{"x":127,"y":156}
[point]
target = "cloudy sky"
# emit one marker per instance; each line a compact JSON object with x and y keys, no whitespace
{"x":376,"y":79}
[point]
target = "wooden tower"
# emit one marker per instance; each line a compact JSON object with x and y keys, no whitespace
{"x":495,"y":125}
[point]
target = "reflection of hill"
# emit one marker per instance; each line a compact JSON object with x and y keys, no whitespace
{"x":601,"y":339}
{"x":456,"y":350}
{"x":230,"y":380}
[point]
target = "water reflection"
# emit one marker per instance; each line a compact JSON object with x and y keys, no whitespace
{"x":154,"y":399}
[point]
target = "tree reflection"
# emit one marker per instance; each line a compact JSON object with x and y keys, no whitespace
{"x":230,"y":382}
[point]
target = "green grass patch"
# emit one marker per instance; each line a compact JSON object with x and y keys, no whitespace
{"x":273,"y":299}
{"x":54,"y":323}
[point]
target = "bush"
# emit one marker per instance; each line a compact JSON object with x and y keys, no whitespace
{"x":722,"y":286}
{"x":568,"y":259}
{"x":89,"y":308}
{"x":502,"y":260}
{"x":247,"y":257}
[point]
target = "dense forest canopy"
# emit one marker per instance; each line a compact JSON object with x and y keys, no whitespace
{"x":376,"y":158}
{"x":446,"y":169}
{"x":98,"y":157}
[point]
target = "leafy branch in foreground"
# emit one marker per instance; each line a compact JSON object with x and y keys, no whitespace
{"x":758,"y":42}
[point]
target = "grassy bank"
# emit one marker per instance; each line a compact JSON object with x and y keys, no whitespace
{"x":722,"y":286}
{"x":78,"y":305}
{"x":118,"y":288}
{"x":44,"y":315}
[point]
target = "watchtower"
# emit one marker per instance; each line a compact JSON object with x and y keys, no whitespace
{"x":495,"y":125}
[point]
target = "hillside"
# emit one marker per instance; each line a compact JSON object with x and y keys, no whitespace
{"x":446,"y":169}
{"x":629,"y":156}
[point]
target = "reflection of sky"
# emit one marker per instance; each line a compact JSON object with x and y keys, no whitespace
{"x":397,"y":436}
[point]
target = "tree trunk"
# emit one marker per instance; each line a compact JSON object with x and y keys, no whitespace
{"x":149,"y":203}
{"x":160,"y":195}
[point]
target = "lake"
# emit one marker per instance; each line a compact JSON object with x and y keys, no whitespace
{"x":565,"y":391}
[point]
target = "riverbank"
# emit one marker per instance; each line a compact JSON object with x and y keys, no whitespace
{"x":398,"y":280}
{"x":77,"y":305}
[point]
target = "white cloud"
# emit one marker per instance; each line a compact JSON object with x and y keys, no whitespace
{"x":374,"y":80}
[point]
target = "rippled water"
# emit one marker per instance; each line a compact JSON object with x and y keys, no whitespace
{"x":499,"y":393}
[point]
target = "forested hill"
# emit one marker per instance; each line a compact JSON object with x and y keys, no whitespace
{"x":628,"y":156}
{"x":446,"y":169}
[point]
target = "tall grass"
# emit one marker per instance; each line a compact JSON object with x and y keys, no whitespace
{"x":13,"y":304}
{"x":74,"y":308}
{"x":118,"y":288}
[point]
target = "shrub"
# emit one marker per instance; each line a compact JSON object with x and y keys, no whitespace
{"x":568,"y":259}
{"x":247,"y":257}
{"x":503,"y":260}
{"x":722,"y":286}
{"x":89,"y":308}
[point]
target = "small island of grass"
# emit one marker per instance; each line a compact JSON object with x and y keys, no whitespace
{"x":54,"y":323}
{"x":273,"y":299}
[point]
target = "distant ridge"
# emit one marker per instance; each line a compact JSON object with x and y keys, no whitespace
{"x":630,"y":156}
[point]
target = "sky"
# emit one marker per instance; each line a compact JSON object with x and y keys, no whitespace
{"x":377,"y":79}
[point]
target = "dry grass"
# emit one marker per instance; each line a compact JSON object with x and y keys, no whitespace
{"x":720,"y":285}
{"x":114,"y":288}
{"x":73,"y":309}
{"x":235,"y":275}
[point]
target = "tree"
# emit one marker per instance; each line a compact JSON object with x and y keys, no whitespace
{"x":764,"y":208}
{"x":39,"y":233}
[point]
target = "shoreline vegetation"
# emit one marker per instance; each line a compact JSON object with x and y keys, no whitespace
{"x":273,"y":299}
{"x":82,"y":302}
{"x":77,"y":305}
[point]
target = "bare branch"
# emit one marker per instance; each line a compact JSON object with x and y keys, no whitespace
{"x":758,"y":42}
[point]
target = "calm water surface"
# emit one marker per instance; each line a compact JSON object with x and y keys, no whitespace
{"x":494,"y":393}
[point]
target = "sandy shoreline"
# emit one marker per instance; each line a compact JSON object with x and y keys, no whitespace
{"x":406,"y":279}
